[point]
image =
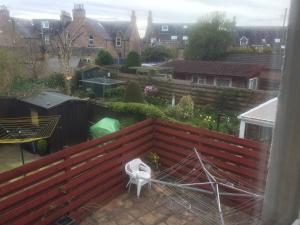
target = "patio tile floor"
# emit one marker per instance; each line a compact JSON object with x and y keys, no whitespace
{"x":152,"y":208}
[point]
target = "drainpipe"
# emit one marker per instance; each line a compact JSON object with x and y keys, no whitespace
{"x":282,"y":196}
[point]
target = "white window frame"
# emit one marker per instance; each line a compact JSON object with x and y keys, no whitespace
{"x":246,"y":43}
{"x":118,"y":41}
{"x":185,"y":38}
{"x":198,"y":78}
{"x":164,"y":27}
{"x":174,"y":38}
{"x":47,"y":40}
{"x":216,"y":80}
{"x":45,"y":24}
{"x":251,"y":83}
{"x":277,"y":40}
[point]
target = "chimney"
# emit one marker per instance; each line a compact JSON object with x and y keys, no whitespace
{"x":65,"y":18}
{"x":150,"y":20}
{"x":133,"y":17}
{"x":4,"y":14}
{"x":78,"y":12}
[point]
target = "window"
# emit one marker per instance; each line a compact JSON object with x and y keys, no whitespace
{"x":223,"y":82}
{"x":185,"y":38}
{"x":277,"y":40}
{"x":91,"y":40}
{"x":45,"y":24}
{"x":173,"y":38}
{"x":185,"y":26}
{"x":244,"y":41}
{"x":253,"y":83}
{"x":46,"y":39}
{"x":118,"y":42}
{"x":164,"y":28}
{"x":199,"y":79}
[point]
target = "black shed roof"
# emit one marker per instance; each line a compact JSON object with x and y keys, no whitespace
{"x":49,"y":99}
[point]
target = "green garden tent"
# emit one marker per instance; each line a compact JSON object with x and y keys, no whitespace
{"x":104,"y":126}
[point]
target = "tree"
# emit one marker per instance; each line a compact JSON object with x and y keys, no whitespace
{"x":11,"y":66}
{"x":133,"y":59}
{"x":133,"y":93}
{"x":63,"y":45}
{"x":156,"y":54}
{"x":210,"y":38}
{"x":104,"y":58}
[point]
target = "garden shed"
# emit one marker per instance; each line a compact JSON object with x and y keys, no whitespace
{"x":72,"y":127}
{"x":258,"y":123}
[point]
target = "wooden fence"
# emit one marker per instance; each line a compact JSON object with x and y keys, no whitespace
{"x":237,"y":99}
{"x":62,"y":183}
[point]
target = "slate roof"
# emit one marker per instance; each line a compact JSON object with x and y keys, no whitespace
{"x":48,"y":99}
{"x":174,"y":29}
{"x":263,"y":114}
{"x":24,"y":27}
{"x":270,"y":61}
{"x":255,"y":34}
{"x":98,"y":28}
{"x":214,"y":68}
{"x":113,"y":27}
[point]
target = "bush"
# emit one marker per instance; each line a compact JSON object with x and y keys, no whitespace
{"x":185,"y":107}
{"x":156,"y":54}
{"x":145,"y":110}
{"x":55,"y":81}
{"x":104,"y":58}
{"x":133,"y":59}
{"x":23,"y":87}
{"x":115,"y":92}
{"x":133,"y":93}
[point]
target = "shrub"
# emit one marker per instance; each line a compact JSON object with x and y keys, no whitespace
{"x":153,"y":159}
{"x":104,"y":58}
{"x":185,"y":107}
{"x":150,"y":90}
{"x":148,"y":111}
{"x":55,"y":81}
{"x":156,"y":54}
{"x":133,"y":93}
{"x":133,"y":59}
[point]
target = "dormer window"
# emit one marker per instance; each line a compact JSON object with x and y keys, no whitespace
{"x":173,"y":38}
{"x":185,"y":38}
{"x":244,"y":41}
{"x":164,"y":28}
{"x":277,"y":40}
{"x":118,"y":42}
{"x":91,"y":40}
{"x":45,"y":24}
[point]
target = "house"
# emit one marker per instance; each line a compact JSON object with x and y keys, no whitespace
{"x":258,"y":123}
{"x":171,"y":35}
{"x":176,"y":35}
{"x":223,"y":74}
{"x":259,"y":36}
{"x":270,"y":76}
{"x":117,"y":37}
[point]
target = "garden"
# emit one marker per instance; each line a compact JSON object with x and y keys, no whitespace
{"x":146,"y":102}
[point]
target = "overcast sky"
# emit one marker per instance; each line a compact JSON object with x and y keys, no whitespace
{"x":247,"y":12}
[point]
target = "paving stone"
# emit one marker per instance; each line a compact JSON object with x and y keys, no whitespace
{"x":172,"y":220}
{"x":151,"y":218}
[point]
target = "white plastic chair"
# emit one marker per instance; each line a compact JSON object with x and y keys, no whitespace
{"x":139,"y":173}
